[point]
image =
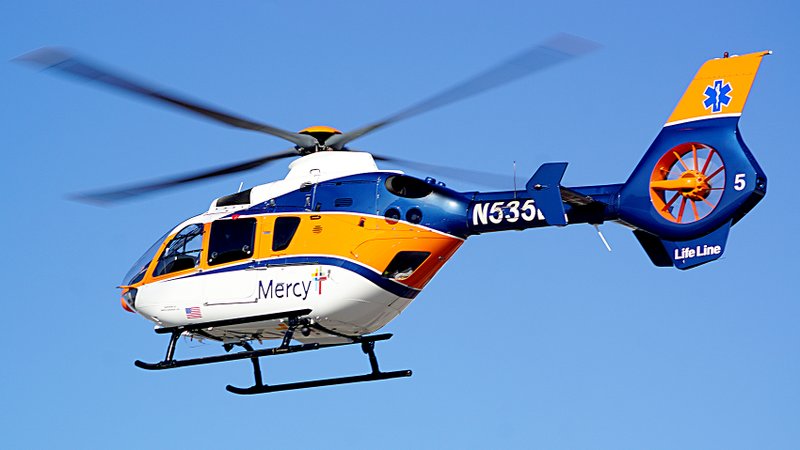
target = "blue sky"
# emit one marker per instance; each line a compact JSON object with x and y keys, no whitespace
{"x":539,"y":339}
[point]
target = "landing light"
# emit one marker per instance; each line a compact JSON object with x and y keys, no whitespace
{"x":129,"y":300}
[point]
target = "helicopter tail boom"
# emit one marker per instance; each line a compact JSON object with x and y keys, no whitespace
{"x":697,"y":179}
{"x":544,"y":202}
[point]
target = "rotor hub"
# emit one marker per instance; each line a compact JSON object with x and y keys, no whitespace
{"x":320,"y":132}
{"x":697,"y":187}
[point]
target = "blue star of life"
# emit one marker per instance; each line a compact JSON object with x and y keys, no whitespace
{"x":717,"y":96}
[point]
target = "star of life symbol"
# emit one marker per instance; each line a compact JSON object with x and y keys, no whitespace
{"x":717,"y":96}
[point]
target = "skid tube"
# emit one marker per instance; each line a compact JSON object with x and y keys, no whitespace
{"x":259,"y":387}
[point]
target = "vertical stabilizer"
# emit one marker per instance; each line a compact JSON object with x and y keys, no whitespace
{"x":698,"y":177}
{"x":720,"y":89}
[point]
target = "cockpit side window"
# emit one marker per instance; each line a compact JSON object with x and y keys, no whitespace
{"x":231,"y":240}
{"x":182,"y":252}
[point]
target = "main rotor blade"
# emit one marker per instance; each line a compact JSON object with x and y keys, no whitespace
{"x":472,"y":176}
{"x":129,"y":192}
{"x":52,"y":58}
{"x":558,"y":49}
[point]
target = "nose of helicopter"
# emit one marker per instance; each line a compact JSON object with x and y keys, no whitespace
{"x":128,"y":299}
{"x":126,"y":307}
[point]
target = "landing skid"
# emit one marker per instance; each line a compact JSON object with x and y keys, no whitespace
{"x":295,"y":320}
{"x":367,"y":346}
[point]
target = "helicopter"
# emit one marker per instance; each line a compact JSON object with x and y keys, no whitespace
{"x":337,"y":249}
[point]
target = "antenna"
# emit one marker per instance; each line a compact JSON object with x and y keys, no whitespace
{"x":602,"y":238}
{"x":240,"y":186}
{"x":515,"y":179}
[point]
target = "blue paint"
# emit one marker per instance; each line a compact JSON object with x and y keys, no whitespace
{"x":694,"y":252}
{"x":722,"y":134}
{"x":543,"y":187}
{"x":717,"y":96}
{"x":443,"y":209}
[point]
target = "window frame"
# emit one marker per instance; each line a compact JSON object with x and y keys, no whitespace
{"x":406,"y":186}
{"x":166,"y":245}
{"x":297,"y":221}
{"x":211,"y":241}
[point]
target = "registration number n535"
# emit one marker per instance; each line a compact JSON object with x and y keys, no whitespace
{"x":500,"y":211}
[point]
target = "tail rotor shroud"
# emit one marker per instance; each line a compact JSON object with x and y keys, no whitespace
{"x":687,"y":182}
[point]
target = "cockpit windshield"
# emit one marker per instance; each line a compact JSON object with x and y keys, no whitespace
{"x":139,"y":268}
{"x":182,"y":252}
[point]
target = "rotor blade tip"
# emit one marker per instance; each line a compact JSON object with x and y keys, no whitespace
{"x":571,"y":44}
{"x":44,"y":57}
{"x":89,"y":199}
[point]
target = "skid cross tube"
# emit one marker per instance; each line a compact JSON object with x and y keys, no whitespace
{"x":294,"y":322}
{"x":256,"y":364}
{"x":177,"y":331}
{"x":174,"y":364}
{"x":247,"y":354}
{"x":173,"y":341}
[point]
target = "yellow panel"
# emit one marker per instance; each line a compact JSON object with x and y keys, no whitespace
{"x":372,"y":241}
{"x":733,"y":75}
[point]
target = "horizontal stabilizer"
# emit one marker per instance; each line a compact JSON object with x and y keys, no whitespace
{"x":544,"y":187}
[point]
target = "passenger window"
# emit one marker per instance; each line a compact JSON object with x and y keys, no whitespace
{"x":182,"y":252}
{"x":231,"y":240}
{"x":285,"y":227}
{"x":404,"y":264}
{"x":409,"y":187}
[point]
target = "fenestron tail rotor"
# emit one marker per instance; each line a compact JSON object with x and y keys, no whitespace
{"x":687,"y":182}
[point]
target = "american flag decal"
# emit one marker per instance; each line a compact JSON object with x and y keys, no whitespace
{"x":194,"y":313}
